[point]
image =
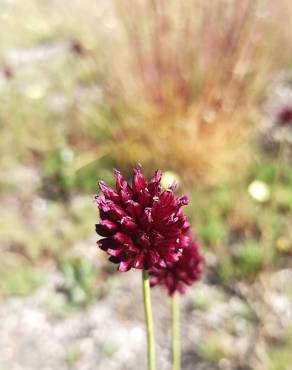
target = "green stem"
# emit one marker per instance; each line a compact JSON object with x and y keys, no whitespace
{"x":148,"y":321}
{"x":175,"y":332}
{"x":279,"y":171}
{"x":268,"y":238}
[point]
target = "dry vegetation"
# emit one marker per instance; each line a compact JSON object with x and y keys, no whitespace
{"x":188,"y":80}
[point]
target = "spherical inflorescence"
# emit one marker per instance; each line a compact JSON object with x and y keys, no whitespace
{"x":142,"y":225}
{"x":178,"y":275}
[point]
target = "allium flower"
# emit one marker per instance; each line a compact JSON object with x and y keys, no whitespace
{"x":142,"y":225}
{"x":276,"y":125}
{"x":178,"y":275}
{"x":285,"y":115}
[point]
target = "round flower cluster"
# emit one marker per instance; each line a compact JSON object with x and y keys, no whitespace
{"x":177,"y":276}
{"x":276,"y":125}
{"x":143,"y":227}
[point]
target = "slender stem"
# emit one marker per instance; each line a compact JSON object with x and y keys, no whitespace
{"x":268,"y":238}
{"x":175,"y":332}
{"x":148,"y":321}
{"x":279,"y":170}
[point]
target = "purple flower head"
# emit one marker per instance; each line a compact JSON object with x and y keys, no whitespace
{"x":285,"y":116}
{"x":142,"y":225}
{"x":178,"y":275}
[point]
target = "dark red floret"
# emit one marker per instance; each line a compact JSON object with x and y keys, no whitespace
{"x":285,"y":116}
{"x":178,"y":275}
{"x":142,"y":225}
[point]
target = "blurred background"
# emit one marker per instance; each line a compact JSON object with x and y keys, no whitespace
{"x":201,"y":89}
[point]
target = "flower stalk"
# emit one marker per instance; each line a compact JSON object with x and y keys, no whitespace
{"x":279,"y":170}
{"x":175,"y":332}
{"x":148,"y":321}
{"x":142,"y":226}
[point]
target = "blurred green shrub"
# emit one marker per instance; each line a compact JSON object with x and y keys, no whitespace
{"x":280,"y":357}
{"x":18,"y":278}
{"x":249,"y":259}
{"x":79,"y":284}
{"x":58,"y":172}
{"x":212,"y":347}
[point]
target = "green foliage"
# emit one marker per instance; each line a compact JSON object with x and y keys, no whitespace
{"x":280,"y":359}
{"x":249,"y":259}
{"x":110,"y":347}
{"x":211,"y":347}
{"x":280,"y":356}
{"x":72,"y":354}
{"x":58,"y":172}
{"x":212,"y":232}
{"x":18,"y":278}
{"x":283,"y":198}
{"x":288,"y":175}
{"x":265,"y":171}
{"x":79,"y":281}
{"x":201,"y":303}
{"x":87,"y":175}
{"x":222,"y":198}
{"x":53,"y":232}
{"x":226,"y":271}
{"x":208,"y":210}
